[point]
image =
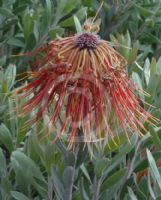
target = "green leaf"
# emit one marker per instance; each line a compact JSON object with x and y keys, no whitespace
{"x":138,"y":82}
{"x":6,"y":12}
{"x":1,"y":75}
{"x":153,"y":168}
{"x":82,"y":190}
{"x":28,"y":23}
{"x":144,"y":11}
{"x":70,"y":21}
{"x":15,"y":42}
{"x":48,"y":9}
{"x":19,"y":163}
{"x":19,"y":124}
{"x":152,"y":38}
{"x":152,"y":86}
{"x":70,"y":5}
{"x":47,"y":15}
{"x":143,"y":163}
{"x":116,"y":160}
{"x":10,"y":75}
{"x":132,"y":55}
{"x":71,"y":159}
{"x":18,"y":195}
{"x":85,"y":172}
{"x":150,"y":186}
{"x":58,"y":185}
{"x":158,"y":68}
{"x":2,"y":109}
{"x":2,"y":62}
{"x":4,"y":88}
{"x":111,"y":146}
{"x":19,"y":9}
{"x":59,"y":10}
{"x":3,"y":168}
{"x":5,"y":186}
{"x":6,"y":137}
{"x":41,"y":188}
{"x":127,"y":43}
{"x":31,"y":41}
{"x":131,"y":194}
{"x":147,"y":71}
{"x":113,"y":179}
{"x":155,"y":137}
{"x":100,"y":166}
{"x":138,"y":190}
{"x":36,"y":30}
{"x":153,"y":67}
{"x":22,"y":158}
{"x":77,"y":24}
{"x":49,"y":157}
{"x":57,"y":31}
{"x":35,"y":147}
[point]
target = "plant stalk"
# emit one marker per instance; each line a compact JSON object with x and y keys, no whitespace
{"x":96,"y":189}
{"x":69,"y":187}
{"x":50,"y":189}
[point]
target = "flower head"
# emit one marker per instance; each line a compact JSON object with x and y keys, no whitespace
{"x":82,"y":82}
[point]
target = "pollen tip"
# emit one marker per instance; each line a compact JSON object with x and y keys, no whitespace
{"x":86,"y":40}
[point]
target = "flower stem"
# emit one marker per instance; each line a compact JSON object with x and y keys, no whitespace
{"x":69,"y":187}
{"x":50,"y":189}
{"x":96,"y":189}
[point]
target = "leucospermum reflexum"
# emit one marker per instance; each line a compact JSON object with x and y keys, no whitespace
{"x":82,"y":83}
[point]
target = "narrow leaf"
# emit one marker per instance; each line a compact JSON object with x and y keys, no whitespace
{"x":5,"y":137}
{"x":18,"y":195}
{"x":131,"y":194}
{"x":153,"y":168}
{"x":77,"y":24}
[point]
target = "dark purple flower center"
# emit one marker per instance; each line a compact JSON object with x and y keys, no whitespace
{"x":86,"y":41}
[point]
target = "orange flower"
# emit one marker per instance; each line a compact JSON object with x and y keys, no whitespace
{"x":82,"y":82}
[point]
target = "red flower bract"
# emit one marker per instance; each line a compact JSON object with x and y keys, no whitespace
{"x":82,"y":82}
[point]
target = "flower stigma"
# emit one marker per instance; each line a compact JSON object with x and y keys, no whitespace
{"x":86,"y":40}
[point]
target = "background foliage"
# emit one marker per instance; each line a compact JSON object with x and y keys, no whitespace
{"x":31,"y":167}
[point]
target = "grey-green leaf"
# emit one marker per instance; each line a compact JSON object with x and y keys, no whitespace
{"x":153,"y":168}
{"x":18,"y":195}
{"x":77,"y":24}
{"x":5,"y":137}
{"x":131,"y":194}
{"x":10,"y":75}
{"x":3,"y":167}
